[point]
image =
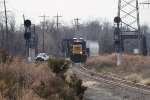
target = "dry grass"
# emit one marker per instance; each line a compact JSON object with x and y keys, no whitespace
{"x":101,"y":62}
{"x":18,"y":75}
{"x":20,"y":80}
{"x":134,"y":68}
{"x":134,"y":77}
{"x":30,"y":95}
{"x":145,"y":81}
{"x":23,"y":81}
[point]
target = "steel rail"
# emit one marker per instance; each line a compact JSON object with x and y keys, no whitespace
{"x":113,"y":80}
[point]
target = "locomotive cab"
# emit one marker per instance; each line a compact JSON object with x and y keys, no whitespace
{"x":78,"y":50}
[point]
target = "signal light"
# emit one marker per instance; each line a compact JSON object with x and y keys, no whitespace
{"x":81,"y":52}
{"x":27,"y":35}
{"x":117,"y":42}
{"x":117,"y":19}
{"x":27,"y":23}
{"x":117,"y":31}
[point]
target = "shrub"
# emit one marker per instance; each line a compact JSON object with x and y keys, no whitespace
{"x":56,"y":87}
{"x":58,"y":66}
{"x":21,"y":80}
{"x":15,"y":76}
{"x":9,"y":86}
{"x":76,"y":84}
{"x":4,"y":57}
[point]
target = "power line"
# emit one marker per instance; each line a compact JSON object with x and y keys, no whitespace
{"x":44,"y":18}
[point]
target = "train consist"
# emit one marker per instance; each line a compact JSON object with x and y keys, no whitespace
{"x":78,"y":49}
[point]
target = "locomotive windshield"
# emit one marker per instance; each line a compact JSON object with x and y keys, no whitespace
{"x":77,"y":49}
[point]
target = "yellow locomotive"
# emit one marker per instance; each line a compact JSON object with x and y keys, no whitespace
{"x":78,"y":50}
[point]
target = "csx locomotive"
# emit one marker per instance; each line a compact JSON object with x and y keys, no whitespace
{"x":78,"y":50}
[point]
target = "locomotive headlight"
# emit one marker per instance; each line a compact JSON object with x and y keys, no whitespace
{"x":81,"y":52}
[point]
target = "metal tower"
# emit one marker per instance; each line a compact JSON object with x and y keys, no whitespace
{"x":146,"y":2}
{"x":128,"y":11}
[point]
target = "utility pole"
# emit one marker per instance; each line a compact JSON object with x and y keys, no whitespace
{"x":138,"y":26}
{"x":57,"y":22}
{"x":77,"y":26}
{"x":44,"y":18}
{"x":57,"y":30}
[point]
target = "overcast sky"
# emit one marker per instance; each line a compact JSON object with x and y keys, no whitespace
{"x":69,"y":10}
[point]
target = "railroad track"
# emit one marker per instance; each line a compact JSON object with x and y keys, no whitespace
{"x":111,"y":80}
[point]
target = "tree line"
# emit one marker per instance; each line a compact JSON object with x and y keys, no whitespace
{"x":96,"y":30}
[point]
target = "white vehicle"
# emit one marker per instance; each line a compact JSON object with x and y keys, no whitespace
{"x":136,"y":51}
{"x":42,"y":57}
